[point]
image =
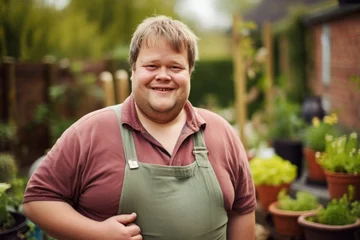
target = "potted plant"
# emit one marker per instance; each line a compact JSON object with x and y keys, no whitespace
{"x":339,"y":220}
{"x":286,"y":210}
{"x":11,"y":223}
{"x":7,"y":136}
{"x":270,"y":175}
{"x":314,"y":141}
{"x":341,"y":161}
{"x":285,"y":128}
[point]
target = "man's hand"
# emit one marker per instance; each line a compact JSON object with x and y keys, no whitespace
{"x":120,"y":227}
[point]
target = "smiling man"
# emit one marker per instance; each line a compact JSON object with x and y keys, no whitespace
{"x":154,"y":167}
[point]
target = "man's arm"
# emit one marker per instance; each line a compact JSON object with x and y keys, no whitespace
{"x":241,"y":226}
{"x":61,"y":221}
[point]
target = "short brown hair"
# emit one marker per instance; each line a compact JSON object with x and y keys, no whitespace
{"x":178,"y":35}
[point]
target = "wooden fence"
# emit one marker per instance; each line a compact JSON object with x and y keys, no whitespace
{"x":26,"y":86}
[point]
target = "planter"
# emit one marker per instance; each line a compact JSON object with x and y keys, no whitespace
{"x":12,"y":233}
{"x":318,"y":231}
{"x":315,"y":171}
{"x":286,"y":223}
{"x":338,"y":184}
{"x":268,"y":194}
{"x":290,"y":150}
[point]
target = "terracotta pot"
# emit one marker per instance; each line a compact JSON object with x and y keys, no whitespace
{"x":318,"y":231}
{"x":338,"y":184}
{"x":268,"y":194}
{"x":286,"y":223}
{"x":316,"y":172}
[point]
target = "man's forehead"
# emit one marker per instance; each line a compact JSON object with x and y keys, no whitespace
{"x":155,"y":41}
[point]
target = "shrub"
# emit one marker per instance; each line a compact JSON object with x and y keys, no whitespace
{"x":303,"y":201}
{"x":284,"y":120}
{"x":314,"y":136}
{"x":8,"y":168}
{"x":339,"y":211}
{"x":272,"y":171}
{"x":341,"y":154}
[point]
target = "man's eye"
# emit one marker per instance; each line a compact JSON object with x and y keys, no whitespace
{"x":176,"y":67}
{"x":150,"y":66}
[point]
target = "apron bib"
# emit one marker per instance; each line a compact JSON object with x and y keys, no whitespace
{"x":173,"y":202}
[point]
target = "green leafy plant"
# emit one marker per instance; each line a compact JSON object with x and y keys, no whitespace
{"x":303,"y":201}
{"x":272,"y":171}
{"x":7,"y":136}
{"x":314,"y":135}
{"x":66,"y":101}
{"x":8,"y":168}
{"x":342,"y":154}
{"x":339,"y":211}
{"x":284,"y":120}
{"x":6,"y":220}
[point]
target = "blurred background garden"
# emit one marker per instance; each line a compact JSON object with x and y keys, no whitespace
{"x":283,"y":73}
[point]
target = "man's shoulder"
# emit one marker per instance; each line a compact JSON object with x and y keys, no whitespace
{"x":100,"y":116}
{"x":210,"y":117}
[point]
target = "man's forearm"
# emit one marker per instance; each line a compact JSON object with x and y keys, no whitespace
{"x":241,"y":226}
{"x":60,"y":220}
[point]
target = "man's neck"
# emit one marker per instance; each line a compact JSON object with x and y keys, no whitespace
{"x":167,"y":134}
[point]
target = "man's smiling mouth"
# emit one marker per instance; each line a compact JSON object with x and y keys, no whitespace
{"x":163,"y":89}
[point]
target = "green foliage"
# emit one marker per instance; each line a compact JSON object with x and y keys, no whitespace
{"x":16,"y":192}
{"x":293,"y":30}
{"x":7,"y":136}
{"x":303,"y":201}
{"x":215,"y":78}
{"x":83,"y":29}
{"x":8,"y":168}
{"x":339,"y":211}
{"x":341,"y":154}
{"x":314,"y":135}
{"x":285,"y":121}
{"x":5,"y":219}
{"x":272,"y":171}
{"x":68,"y":98}
{"x":11,"y":196}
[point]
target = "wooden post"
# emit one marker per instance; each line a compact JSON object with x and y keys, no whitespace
{"x":269,"y":79}
{"x":122,"y":85}
{"x":110,"y":66}
{"x":239,"y":79}
{"x":108,"y":86}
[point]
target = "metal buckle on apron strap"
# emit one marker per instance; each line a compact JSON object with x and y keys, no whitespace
{"x":201,"y":156}
{"x":200,"y":150}
{"x":133,"y":163}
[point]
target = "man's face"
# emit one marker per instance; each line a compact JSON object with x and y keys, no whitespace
{"x":161,"y":81}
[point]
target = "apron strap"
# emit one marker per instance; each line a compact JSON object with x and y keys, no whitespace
{"x":128,"y":141}
{"x":200,"y":151}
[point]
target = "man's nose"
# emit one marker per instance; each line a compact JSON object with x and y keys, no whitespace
{"x":163,"y":74}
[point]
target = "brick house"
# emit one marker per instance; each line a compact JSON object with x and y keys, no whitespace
{"x":336,"y":61}
{"x":334,"y":72}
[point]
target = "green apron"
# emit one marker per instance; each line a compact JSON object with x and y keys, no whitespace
{"x":172,"y":202}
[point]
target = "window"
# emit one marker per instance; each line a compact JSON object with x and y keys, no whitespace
{"x":326,"y":54}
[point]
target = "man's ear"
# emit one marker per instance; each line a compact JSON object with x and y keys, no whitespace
{"x":132,"y":73}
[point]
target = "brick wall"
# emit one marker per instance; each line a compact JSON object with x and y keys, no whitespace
{"x":343,"y":95}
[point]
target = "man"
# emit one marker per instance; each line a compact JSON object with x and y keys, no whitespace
{"x":153,"y":167}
